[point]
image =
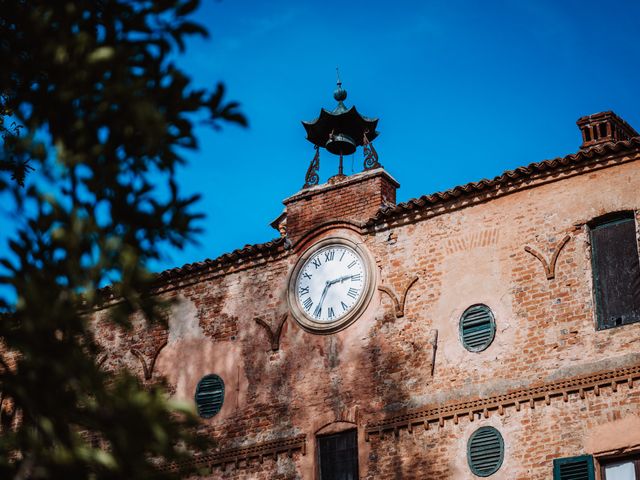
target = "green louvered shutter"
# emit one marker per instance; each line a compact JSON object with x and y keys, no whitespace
{"x":485,"y":451}
{"x":574,"y":468}
{"x":209,"y":395}
{"x":477,"y":328}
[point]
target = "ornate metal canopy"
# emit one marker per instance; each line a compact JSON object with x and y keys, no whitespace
{"x":340,"y":132}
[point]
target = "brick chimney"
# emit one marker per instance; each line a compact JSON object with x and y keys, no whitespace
{"x":355,"y":198}
{"x":604,"y":127}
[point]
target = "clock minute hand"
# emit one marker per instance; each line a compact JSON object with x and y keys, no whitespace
{"x":340,"y":280}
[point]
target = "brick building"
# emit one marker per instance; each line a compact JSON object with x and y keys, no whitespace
{"x":492,"y":330}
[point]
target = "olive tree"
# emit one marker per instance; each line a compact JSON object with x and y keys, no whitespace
{"x":96,"y":117}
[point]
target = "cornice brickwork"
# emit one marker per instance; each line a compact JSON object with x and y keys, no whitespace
{"x":532,"y":396}
{"x":242,"y":456}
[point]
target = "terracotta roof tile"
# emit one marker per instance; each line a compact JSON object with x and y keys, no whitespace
{"x":269,"y":248}
{"x":387,"y":213}
{"x":233,"y":258}
{"x":506,"y":178}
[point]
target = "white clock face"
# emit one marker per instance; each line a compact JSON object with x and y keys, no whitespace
{"x":330,"y":283}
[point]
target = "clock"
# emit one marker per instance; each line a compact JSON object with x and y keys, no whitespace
{"x":331,"y":285}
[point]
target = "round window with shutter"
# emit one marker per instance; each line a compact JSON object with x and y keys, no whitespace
{"x":209,"y":395}
{"x":477,"y":328}
{"x":485,"y":451}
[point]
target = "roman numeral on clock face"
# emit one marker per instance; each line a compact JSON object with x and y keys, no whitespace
{"x":356,"y":278}
{"x":330,"y":314}
{"x":316,"y":262}
{"x":353,"y":293}
{"x":328,"y":256}
{"x":344,"y":306}
{"x":307,"y":304}
{"x":317,"y":312}
{"x":351,"y":264}
{"x":304,"y":290}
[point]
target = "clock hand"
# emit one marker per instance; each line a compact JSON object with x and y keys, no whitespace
{"x":340,"y":280}
{"x":327,"y":284}
{"x":324,"y":293}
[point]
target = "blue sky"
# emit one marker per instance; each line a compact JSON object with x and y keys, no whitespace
{"x":464,"y":90}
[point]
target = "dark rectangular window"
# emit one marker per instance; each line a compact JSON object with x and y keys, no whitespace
{"x":616,"y":271}
{"x":339,"y":456}
{"x":574,"y":468}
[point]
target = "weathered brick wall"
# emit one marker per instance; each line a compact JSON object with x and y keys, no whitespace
{"x":382,"y":366}
{"x":532,"y":438}
{"x":355,"y":199}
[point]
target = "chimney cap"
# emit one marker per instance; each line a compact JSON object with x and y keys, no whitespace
{"x":603,"y":127}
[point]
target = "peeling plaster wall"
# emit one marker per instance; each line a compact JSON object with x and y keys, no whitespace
{"x":190,"y":355}
{"x":381,"y":365}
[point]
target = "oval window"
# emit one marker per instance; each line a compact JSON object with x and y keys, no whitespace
{"x":209,"y":395}
{"x":477,"y":328}
{"x":485,"y":451}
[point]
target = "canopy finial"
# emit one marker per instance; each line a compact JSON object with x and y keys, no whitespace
{"x":340,"y":95}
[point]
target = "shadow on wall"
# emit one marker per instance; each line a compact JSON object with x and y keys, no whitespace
{"x":400,"y":357}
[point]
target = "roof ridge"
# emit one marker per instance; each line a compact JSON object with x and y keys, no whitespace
{"x":518,"y":173}
{"x":194,"y":268}
{"x":386,"y":212}
{"x":221,"y":260}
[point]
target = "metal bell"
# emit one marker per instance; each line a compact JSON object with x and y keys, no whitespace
{"x":341,"y":144}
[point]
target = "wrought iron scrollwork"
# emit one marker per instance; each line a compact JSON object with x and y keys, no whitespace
{"x":370,"y":154}
{"x":312,"y":178}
